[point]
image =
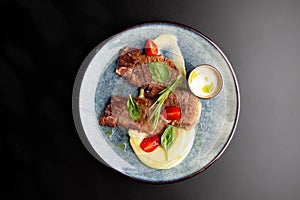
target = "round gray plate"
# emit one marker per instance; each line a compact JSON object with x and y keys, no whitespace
{"x":97,"y":81}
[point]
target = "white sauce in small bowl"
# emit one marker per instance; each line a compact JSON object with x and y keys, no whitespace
{"x":205,"y":81}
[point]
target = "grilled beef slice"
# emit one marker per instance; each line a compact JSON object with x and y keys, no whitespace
{"x":134,"y":67}
{"x":117,"y":114}
{"x":190,"y":108}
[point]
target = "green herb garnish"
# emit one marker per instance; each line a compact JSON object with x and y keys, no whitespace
{"x":159,"y":71}
{"x":167,"y":139}
{"x":108,"y":133}
{"x":134,"y":110}
{"x":121,"y":146}
{"x":163,"y":95}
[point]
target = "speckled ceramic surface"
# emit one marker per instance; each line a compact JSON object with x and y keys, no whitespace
{"x":97,"y":82}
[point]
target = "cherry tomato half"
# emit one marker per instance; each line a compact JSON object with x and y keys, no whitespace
{"x":151,"y":48}
{"x":150,"y":143}
{"x":172,"y":113}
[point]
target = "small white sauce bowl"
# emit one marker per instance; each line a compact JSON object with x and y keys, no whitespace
{"x":205,"y":81}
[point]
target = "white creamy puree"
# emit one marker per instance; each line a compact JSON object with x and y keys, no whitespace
{"x":157,"y":159}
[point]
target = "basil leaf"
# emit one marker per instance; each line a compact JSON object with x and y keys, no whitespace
{"x":159,"y":71}
{"x":134,"y":110}
{"x":167,"y":139}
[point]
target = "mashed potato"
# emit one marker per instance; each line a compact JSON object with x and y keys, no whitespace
{"x":157,"y":159}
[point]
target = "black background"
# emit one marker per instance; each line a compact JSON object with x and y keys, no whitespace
{"x":43,"y":44}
